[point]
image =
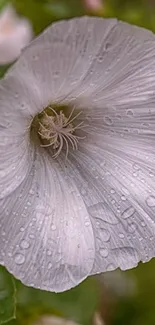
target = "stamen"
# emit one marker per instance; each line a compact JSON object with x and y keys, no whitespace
{"x":72,"y":119}
{"x":67,"y":147}
{"x":57,"y":130}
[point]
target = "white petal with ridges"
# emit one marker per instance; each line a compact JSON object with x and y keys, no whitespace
{"x":49,"y":233}
{"x":99,"y":58}
{"x":16,"y":152}
{"x":120,"y":198}
{"x":66,"y":51}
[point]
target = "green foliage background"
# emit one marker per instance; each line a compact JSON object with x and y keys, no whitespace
{"x":23,"y":305}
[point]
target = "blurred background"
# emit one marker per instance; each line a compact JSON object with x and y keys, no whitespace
{"x":113,"y":298}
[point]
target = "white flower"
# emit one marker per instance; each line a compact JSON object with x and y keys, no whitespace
{"x":15,"y":34}
{"x":94,"y":4}
{"x":77,"y":153}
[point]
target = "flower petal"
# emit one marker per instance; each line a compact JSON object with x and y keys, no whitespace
{"x":122,"y":70}
{"x":118,"y":188}
{"x":15,"y":34}
{"x":64,"y":51}
{"x":16,"y":156}
{"x":48,"y":240}
{"x":95,"y":56}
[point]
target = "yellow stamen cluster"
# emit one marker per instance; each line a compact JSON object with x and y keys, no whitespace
{"x":57,"y":130}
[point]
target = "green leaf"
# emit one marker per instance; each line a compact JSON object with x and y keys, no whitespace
{"x":7,"y":296}
{"x":13,"y":322}
{"x":3,"y":3}
{"x":36,"y":12}
{"x":77,"y":304}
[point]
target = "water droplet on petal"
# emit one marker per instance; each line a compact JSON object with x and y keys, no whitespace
{"x":118,"y":116}
{"x":121,"y":236}
{"x":19,"y":259}
{"x":128,"y":212}
{"x":49,"y":265}
{"x":53,"y":227}
{"x":123,"y":198}
{"x":129,"y":113}
{"x":87,"y":223}
{"x":31,"y":192}
{"x":49,"y":253}
{"x":150,"y":201}
{"x":125,"y":190}
{"x":32,"y":236}
{"x":103,"y":252}
{"x":102,"y":211}
{"x":111,"y":267}
{"x":100,"y":58}
{"x":107,"y":45}
{"x":83,"y":191}
{"x":135,"y":166}
{"x":24,"y":244}
{"x":105,"y":235}
{"x":102,"y":163}
{"x":151,"y":174}
{"x":108,"y":120}
{"x":21,"y":275}
{"x":97,"y":224}
{"x":132,"y":227}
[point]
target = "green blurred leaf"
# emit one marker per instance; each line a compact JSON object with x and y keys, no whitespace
{"x":13,"y":322}
{"x":7,"y":296}
{"x":36,"y":12}
{"x":43,"y":13}
{"x":77,"y":304}
{"x":3,"y":3}
{"x":65,"y":8}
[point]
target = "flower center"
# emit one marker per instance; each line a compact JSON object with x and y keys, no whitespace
{"x":57,"y":130}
